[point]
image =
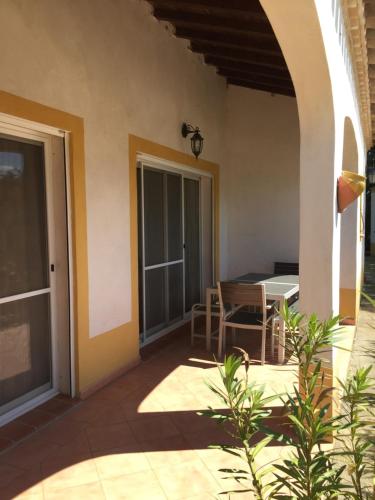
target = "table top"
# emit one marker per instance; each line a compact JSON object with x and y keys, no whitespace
{"x":276,"y":285}
{"x":286,"y":279}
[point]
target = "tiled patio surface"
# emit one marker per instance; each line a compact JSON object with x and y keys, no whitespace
{"x":137,"y":438}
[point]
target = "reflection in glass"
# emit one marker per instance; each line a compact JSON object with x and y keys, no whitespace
{"x":25,"y":347}
{"x":23,"y":219}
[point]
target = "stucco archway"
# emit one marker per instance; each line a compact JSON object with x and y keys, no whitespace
{"x":306,"y":57}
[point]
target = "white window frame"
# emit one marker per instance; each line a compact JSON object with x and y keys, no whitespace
{"x":34,"y":131}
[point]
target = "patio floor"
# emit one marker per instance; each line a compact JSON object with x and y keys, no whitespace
{"x":139,"y":437}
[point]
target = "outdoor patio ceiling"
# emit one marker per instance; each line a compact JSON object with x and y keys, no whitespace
{"x":234,"y":36}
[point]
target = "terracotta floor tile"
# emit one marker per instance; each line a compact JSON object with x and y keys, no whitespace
{"x":77,"y":474}
{"x":92,"y":491}
{"x":102,"y":438}
{"x":109,"y":393}
{"x":120,"y":461}
{"x":211,"y":436}
{"x":62,"y":431}
{"x":171,"y":451}
{"x":218,"y":459}
{"x":29,"y":453}
{"x":5,"y":443}
{"x":74,"y":452}
{"x":26,"y":485}
{"x":186,"y":479}
{"x":16,"y":430}
{"x":37,"y":418}
{"x":57,"y":406}
{"x":134,"y":406}
{"x":98,"y":412}
{"x":8,"y":473}
{"x":138,"y":437}
{"x":140,"y":486}
{"x":190,"y":421}
{"x":147,"y":428}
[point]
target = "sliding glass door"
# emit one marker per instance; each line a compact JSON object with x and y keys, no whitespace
{"x":169,"y":241}
{"x":25,"y":288}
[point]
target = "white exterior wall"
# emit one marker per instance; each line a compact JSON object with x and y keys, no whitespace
{"x":113,"y":64}
{"x":260,"y":182}
{"x":121,"y":70}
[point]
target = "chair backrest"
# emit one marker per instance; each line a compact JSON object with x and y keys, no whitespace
{"x":286,"y":268}
{"x":241,"y":294}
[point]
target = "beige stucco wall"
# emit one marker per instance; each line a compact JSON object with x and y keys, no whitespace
{"x":260,"y":182}
{"x":113,"y":64}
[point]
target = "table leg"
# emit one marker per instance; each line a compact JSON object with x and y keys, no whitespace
{"x":281,"y":343}
{"x":208,"y":319}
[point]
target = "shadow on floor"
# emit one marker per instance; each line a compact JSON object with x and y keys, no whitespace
{"x":140,"y":436}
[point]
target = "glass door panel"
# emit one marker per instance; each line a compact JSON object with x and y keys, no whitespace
{"x":154,"y":217}
{"x":25,"y":324}
{"x":192,"y":243}
{"x":175,"y":292}
{"x":174,"y":217}
{"x":156,"y":317}
{"x":160,"y":246}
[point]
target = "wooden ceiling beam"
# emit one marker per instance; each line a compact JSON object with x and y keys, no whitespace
{"x":254,"y":77}
{"x":252,"y":7}
{"x":213,"y":22}
{"x":265,"y":88}
{"x":281,"y":73}
{"x":252,"y":56}
{"x":237,"y":40}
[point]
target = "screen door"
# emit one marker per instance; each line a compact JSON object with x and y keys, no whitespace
{"x":169,"y":243}
{"x":25,"y":288}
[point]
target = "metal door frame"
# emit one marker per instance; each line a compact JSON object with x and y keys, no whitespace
{"x":20,"y":129}
{"x":185,"y":172}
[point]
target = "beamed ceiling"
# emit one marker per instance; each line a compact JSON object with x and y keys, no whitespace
{"x":235,"y":36}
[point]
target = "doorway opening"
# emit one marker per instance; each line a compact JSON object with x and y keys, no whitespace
{"x":175,"y":244}
{"x":35,"y":344}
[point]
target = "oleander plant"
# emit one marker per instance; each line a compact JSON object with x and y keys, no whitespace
{"x":328,"y":456}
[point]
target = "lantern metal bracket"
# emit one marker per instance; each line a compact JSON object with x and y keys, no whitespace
{"x":187,"y":129}
{"x":196,"y":138}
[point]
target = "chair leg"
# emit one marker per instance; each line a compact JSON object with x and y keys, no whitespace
{"x":220,"y":340}
{"x":273,"y":337}
{"x":264,"y":331}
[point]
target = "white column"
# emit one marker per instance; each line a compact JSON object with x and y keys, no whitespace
{"x":306,"y":57}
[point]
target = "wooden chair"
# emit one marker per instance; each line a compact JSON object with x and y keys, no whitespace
{"x":235,"y":300}
{"x":201,"y":310}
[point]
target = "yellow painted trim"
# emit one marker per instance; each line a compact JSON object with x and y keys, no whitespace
{"x":349,"y":303}
{"x":101,"y":356}
{"x":29,"y":110}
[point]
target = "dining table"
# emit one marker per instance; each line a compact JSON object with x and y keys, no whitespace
{"x":278,"y":288}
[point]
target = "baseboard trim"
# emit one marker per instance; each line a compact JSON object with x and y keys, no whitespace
{"x":348,"y":321}
{"x":108,"y":379}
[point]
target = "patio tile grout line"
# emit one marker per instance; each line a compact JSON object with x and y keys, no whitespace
{"x":40,"y":428}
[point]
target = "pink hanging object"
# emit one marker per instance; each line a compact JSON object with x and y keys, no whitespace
{"x":349,"y":187}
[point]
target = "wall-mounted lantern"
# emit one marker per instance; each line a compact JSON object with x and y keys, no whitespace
{"x":196,"y":139}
